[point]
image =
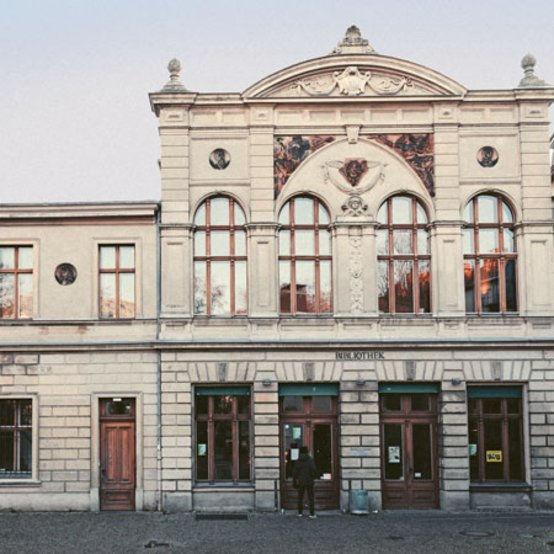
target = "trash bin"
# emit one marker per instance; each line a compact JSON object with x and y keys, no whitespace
{"x":359,"y":502}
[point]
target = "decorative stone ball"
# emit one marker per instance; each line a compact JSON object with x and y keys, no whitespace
{"x":528,"y":61}
{"x":174,"y":66}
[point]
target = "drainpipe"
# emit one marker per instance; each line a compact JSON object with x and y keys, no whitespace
{"x":159,"y":499}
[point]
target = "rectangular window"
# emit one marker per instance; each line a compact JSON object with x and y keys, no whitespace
{"x":16,"y":439}
{"x":16,"y":282}
{"x":223,"y":436}
{"x":117,"y":281}
{"x":495,"y":434}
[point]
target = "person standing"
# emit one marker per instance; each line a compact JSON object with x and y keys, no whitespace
{"x":304,"y":474}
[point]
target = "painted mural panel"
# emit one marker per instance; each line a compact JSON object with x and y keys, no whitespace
{"x":289,"y":152}
{"x":416,"y":149}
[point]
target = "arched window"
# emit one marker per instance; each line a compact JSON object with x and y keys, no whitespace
{"x":489,"y":256}
{"x":403,"y":257}
{"x":220,"y":258}
{"x":304,"y":257}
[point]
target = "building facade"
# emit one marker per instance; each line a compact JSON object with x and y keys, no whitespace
{"x":352,"y":255}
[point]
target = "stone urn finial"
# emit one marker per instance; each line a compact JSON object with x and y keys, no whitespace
{"x":174,"y":67}
{"x":353,"y":43}
{"x":530,"y":80}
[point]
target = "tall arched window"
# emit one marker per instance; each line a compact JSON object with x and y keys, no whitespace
{"x":489,"y":256}
{"x":304,"y":257}
{"x":220,"y":258}
{"x":403,"y":257}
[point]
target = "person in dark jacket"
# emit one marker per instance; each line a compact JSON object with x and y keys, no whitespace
{"x":304,"y":474}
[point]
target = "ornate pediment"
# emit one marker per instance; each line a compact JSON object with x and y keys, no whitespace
{"x":354,"y":75}
{"x":353,"y":81}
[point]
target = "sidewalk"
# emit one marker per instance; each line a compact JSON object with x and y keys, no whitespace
{"x":389,"y":532}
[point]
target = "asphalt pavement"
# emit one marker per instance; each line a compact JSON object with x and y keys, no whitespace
{"x":396,"y":532}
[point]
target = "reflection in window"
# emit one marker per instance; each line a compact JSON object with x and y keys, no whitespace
{"x":403,"y":257}
{"x":305,"y":284}
{"x":223,"y":435}
{"x":220,"y":258}
{"x":16,"y":282}
{"x":117,"y":281}
{"x":495,"y":439}
{"x":16,"y":452}
{"x":489,"y":256}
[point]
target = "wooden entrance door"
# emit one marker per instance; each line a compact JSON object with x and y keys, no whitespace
{"x":311,"y":422}
{"x":117,"y":454}
{"x":409,"y":466}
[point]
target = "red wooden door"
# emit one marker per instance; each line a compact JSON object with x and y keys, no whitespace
{"x":409,"y":451}
{"x":313,"y":425}
{"x":117,"y":454}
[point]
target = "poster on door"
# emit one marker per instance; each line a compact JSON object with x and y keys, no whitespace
{"x":394,"y":454}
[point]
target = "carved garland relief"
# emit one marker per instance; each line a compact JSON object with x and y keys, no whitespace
{"x":356,"y":283}
{"x":351,"y":82}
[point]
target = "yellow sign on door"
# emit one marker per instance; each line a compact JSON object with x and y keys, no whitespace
{"x":494,"y":456}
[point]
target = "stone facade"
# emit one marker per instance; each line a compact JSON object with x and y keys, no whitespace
{"x":414,"y":132}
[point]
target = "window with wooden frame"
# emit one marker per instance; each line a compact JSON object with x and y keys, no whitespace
{"x":16,"y":438}
{"x":223,"y":435}
{"x":305,"y":283}
{"x":496,"y":450}
{"x":117,"y":281}
{"x":16,"y":282}
{"x":220,"y":258}
{"x":489,"y":256}
{"x":403,"y":257}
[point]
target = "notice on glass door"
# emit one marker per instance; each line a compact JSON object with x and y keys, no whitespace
{"x":394,"y":454}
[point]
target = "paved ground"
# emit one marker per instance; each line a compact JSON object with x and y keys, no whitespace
{"x":393,"y":532}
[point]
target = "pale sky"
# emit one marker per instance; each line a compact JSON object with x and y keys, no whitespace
{"x":75,"y":122}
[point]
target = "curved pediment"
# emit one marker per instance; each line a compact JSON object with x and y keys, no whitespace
{"x":354,"y":75}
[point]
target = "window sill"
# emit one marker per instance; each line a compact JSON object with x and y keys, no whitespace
{"x":210,"y":487}
{"x":500,"y":487}
{"x":8,"y":483}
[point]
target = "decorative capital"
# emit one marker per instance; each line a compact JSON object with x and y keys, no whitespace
{"x":174,"y":84}
{"x":354,"y":43}
{"x":530,"y":80}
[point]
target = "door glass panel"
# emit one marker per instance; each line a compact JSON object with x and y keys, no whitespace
{"x":473,"y":448}
{"x":391,"y":402}
{"x":323,"y":451}
{"x":321,"y":404}
{"x":118,"y":407}
{"x":223,"y":451}
{"x":293,"y":403}
{"x":223,"y":404}
{"x":494,"y":464}
{"x":201,"y":449}
{"x":394,"y":464}
{"x":244,"y":449}
{"x":515,"y":446}
{"x":420,"y":403}
{"x":243,"y":405}
{"x":293,"y":440}
{"x":422,"y":451}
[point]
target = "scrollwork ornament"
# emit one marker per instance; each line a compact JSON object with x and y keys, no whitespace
{"x":354,"y":206}
{"x":356,"y":283}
